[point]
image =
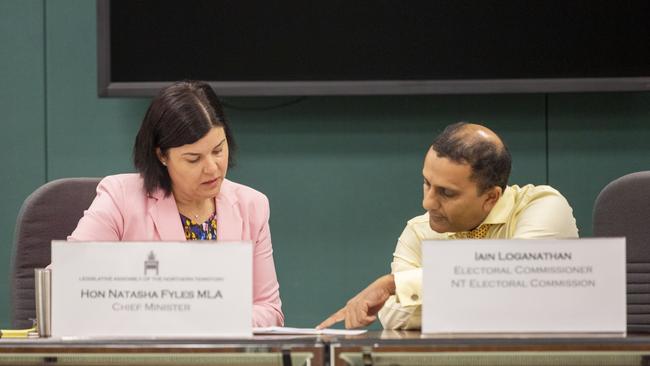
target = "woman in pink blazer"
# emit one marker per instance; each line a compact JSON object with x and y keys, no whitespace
{"x":182,"y":153}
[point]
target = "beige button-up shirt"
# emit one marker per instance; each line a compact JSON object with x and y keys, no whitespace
{"x":528,"y":212}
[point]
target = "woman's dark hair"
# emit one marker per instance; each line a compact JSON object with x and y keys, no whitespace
{"x":180,"y":114}
{"x":490,"y":162}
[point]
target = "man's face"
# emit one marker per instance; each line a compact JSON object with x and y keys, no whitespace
{"x":451,"y":197}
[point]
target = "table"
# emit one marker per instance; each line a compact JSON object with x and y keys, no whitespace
{"x":413,"y":348}
{"x":372,"y":348}
{"x":258,"y":350}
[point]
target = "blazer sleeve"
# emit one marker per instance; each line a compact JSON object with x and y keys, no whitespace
{"x":267,"y":307}
{"x":102,"y":221}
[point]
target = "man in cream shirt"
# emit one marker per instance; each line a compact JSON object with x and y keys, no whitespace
{"x":465,"y":194}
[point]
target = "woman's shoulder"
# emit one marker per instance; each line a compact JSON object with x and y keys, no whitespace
{"x":127,"y":184}
{"x":251,"y":203}
{"x":242,"y":192}
{"x":127,"y":180}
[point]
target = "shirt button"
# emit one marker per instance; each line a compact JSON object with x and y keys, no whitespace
{"x":415,"y":297}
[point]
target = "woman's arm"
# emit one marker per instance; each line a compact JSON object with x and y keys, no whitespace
{"x":102,"y":220}
{"x":267,"y":307}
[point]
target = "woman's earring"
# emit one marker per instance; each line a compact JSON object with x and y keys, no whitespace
{"x":164,"y":163}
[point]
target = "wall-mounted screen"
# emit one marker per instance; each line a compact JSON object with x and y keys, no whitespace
{"x":343,"y":47}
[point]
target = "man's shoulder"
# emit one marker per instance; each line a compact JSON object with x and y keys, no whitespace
{"x":531,"y":189}
{"x":420,"y":225}
{"x":541,"y":211}
{"x":530,"y":193}
{"x":419,"y":220}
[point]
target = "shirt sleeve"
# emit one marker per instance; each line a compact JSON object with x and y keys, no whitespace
{"x":548,"y":216}
{"x":402,"y":311}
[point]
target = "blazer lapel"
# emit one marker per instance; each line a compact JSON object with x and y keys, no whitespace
{"x":229,"y":220}
{"x":165,"y":216}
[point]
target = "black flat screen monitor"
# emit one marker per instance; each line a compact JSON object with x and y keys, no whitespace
{"x":344,"y":47}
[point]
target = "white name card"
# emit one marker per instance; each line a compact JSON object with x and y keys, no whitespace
{"x":524,"y":286}
{"x":151,"y":289}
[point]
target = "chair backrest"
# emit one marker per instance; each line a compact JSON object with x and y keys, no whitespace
{"x":623,"y":209}
{"x":51,"y":212}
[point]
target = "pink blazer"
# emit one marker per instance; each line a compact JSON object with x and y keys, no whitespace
{"x":123,"y":211}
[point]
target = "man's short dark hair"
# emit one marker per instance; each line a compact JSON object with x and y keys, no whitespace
{"x":490,"y":162}
{"x":180,"y":114}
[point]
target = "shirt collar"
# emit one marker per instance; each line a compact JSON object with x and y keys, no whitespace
{"x":501,"y":211}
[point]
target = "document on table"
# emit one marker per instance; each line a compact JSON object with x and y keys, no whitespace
{"x":314,"y":331}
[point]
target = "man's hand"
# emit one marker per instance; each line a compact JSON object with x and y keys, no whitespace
{"x":362,"y":309}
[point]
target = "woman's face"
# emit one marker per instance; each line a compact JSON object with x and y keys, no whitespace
{"x":197,"y":170}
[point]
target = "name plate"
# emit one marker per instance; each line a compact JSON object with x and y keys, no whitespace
{"x":524,"y":286}
{"x":151,"y":289}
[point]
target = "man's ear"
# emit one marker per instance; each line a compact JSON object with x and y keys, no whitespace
{"x":492,"y":195}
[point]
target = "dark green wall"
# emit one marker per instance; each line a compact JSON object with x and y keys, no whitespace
{"x":22,"y":121}
{"x":342,"y":173}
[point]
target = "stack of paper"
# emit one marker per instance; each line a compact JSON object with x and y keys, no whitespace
{"x":287,"y":330}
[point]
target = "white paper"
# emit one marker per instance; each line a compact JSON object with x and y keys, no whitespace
{"x":314,"y":331}
{"x":151,"y":289}
{"x":524,"y":286}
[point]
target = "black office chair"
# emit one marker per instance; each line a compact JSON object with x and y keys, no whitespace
{"x":50,"y":213}
{"x":623,"y":209}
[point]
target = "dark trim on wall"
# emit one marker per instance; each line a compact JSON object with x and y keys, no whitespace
{"x":103,"y":48}
{"x":383,"y":87}
{"x":45,"y":103}
{"x":546,"y":136}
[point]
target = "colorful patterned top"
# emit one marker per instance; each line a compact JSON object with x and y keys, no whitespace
{"x":204,"y":231}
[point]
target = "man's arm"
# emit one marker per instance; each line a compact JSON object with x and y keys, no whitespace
{"x":403,"y":310}
{"x":404,"y":283}
{"x":362,"y":309}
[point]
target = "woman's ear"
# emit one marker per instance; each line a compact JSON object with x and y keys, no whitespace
{"x":161,"y":157}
